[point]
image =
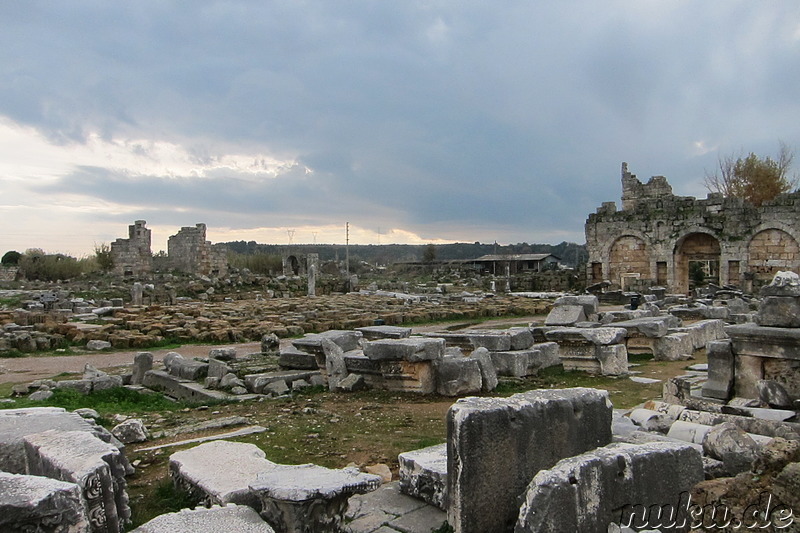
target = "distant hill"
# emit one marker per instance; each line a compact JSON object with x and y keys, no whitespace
{"x":571,"y":254}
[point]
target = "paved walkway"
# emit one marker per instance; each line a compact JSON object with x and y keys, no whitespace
{"x":387,"y":510}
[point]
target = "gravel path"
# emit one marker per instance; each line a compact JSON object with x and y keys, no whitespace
{"x":26,"y":369}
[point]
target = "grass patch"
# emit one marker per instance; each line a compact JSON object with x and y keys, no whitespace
{"x":110,"y":401}
{"x":165,"y":498}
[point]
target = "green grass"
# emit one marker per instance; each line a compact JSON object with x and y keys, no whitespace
{"x":165,"y":498}
{"x":110,"y":401}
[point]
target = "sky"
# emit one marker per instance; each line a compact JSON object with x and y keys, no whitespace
{"x":410,"y":121}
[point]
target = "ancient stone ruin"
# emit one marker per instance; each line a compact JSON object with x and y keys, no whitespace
{"x":658,"y":238}
{"x":132,"y":256}
{"x":189,"y":251}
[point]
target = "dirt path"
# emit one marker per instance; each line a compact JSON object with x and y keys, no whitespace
{"x":25,"y":369}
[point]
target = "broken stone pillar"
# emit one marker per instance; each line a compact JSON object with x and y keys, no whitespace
{"x":458,"y":376}
{"x":594,"y":350}
{"x":496,"y":445}
{"x":616,"y":483}
{"x":309,"y":498}
{"x":142,"y":362}
{"x":97,"y":467}
{"x":720,"y":370}
{"x":423,"y":474}
{"x":136,"y":293}
{"x":312,"y":261}
{"x":40,"y":504}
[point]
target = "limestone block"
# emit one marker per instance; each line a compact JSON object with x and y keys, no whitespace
{"x":565,"y":315}
{"x":650,"y":327}
{"x":97,"y":467}
{"x":309,"y":498}
{"x":423,"y":474}
{"x":672,"y":347}
{"x":223,"y":354}
{"x":496,"y":445}
{"x":458,"y":376}
{"x":779,"y":311}
{"x":491,"y":340}
{"x":346,"y":340}
{"x":405,"y":376}
{"x":521,"y":338}
{"x":142,"y":362}
{"x":748,"y":372}
{"x":720,"y":370}
{"x":231,"y":518}
{"x":412,"y":349}
{"x":335,"y":367}
{"x":352,"y":383}
{"x":40,"y":504}
{"x":488,"y":372}
{"x":296,"y":359}
{"x":688,"y":431}
{"x":129,"y":431}
{"x":372,"y":333}
{"x":705,"y":331}
{"x":651,"y":420}
{"x":513,"y":364}
{"x":596,"y":336}
{"x":543,"y":355}
{"x":15,"y":424}
{"x":773,"y":394}
{"x":220,"y":472}
{"x":589,"y":302}
{"x":613,"y":359}
{"x":217,"y":369}
{"x":256,"y":382}
{"x":587,"y":492}
{"x":188,"y":369}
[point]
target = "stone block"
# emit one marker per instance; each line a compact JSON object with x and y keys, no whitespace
{"x":423,"y":474}
{"x":615,"y":483}
{"x":309,"y":498}
{"x":514,"y":364}
{"x":672,"y":347}
{"x":296,"y":359}
{"x":97,"y":467}
{"x":405,"y":376}
{"x":256,"y":382}
{"x":589,"y":302}
{"x":40,"y":504}
{"x":495,"y":341}
{"x":779,"y":312}
{"x":188,"y":369}
{"x":231,"y":518}
{"x":650,"y":327}
{"x":217,"y":369}
{"x":613,"y":359}
{"x":496,"y":445}
{"x":220,"y":472}
{"x":412,"y":349}
{"x":458,"y":376}
{"x":346,"y":340}
{"x":335,"y":367}
{"x":521,"y":338}
{"x":222,"y":354}
{"x":749,"y":370}
{"x":720,"y":370}
{"x":565,"y":315}
{"x":596,"y":336}
{"x":372,"y":333}
{"x":142,"y":362}
{"x":543,"y":355}
{"x":488,"y":372}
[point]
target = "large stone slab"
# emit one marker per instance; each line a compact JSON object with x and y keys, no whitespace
{"x":458,"y":376}
{"x":231,"y":518}
{"x":39,"y":504}
{"x":17,"y":423}
{"x":309,"y":498}
{"x":372,"y":333}
{"x":97,"y":467}
{"x":565,"y":315}
{"x":616,"y":483}
{"x":596,"y":336}
{"x":720,"y":370}
{"x":412,"y":349}
{"x":220,"y":472}
{"x":346,"y":340}
{"x":496,"y":445}
{"x":423,"y":474}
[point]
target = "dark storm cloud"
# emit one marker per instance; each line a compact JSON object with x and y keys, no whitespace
{"x":431,"y":116}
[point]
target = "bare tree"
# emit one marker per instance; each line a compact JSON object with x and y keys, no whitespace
{"x":755,"y":179}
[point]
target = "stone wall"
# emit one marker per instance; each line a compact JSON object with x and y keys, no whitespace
{"x":132,"y":256}
{"x":190,"y":252}
{"x":658,"y":238}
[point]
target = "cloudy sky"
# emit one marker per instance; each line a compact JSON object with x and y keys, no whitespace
{"x":414,"y":121}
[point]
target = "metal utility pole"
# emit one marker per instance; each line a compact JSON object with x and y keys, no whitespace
{"x":347,"y":253}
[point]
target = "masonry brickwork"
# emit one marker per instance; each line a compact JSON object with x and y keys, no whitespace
{"x":132,"y":256}
{"x":658,"y":238}
{"x":190,"y":252}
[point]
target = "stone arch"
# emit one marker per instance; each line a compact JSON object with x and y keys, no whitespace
{"x":293,"y":265}
{"x":628,"y":260}
{"x":769,"y":251}
{"x":696,"y":247}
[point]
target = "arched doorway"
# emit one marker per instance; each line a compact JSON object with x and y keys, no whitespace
{"x":293,"y":264}
{"x":770,"y":251}
{"x":696,"y":261}
{"x":628,"y":261}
